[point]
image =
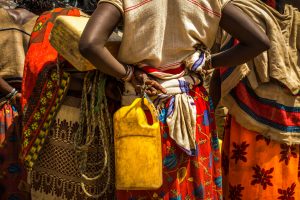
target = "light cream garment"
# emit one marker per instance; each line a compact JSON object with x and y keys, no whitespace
{"x":163,"y":32}
{"x":182,"y":123}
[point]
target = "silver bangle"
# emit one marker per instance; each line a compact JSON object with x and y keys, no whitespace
{"x":129,"y":73}
{"x":12,"y":93}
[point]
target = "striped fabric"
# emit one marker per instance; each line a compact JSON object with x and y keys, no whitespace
{"x":193,"y":63}
{"x":270,"y":108}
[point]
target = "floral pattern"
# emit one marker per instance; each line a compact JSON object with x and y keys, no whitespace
{"x":38,"y":121}
{"x":287,"y":194}
{"x":287,"y":152}
{"x":239,"y":152}
{"x":262,"y":176}
{"x":11,"y":170}
{"x":262,"y":137}
{"x":188,"y":177}
{"x":235,"y":192}
{"x":271,"y":170}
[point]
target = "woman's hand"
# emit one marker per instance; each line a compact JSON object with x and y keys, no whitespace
{"x":151,"y":87}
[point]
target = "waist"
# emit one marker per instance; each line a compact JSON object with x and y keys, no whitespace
{"x":170,"y":71}
{"x":173,"y":86}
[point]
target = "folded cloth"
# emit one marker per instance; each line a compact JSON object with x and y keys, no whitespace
{"x":281,"y":62}
{"x":264,"y":94}
{"x":181,"y":109}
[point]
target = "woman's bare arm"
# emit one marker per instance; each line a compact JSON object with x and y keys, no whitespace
{"x":253,"y":41}
{"x":107,"y":16}
{"x":5,"y":88}
{"x":92,"y":46}
{"x":95,"y":35}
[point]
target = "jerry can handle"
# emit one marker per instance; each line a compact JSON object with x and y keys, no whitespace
{"x":149,"y":104}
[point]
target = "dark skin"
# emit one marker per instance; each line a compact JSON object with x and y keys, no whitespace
{"x":215,"y":89}
{"x":106,"y":17}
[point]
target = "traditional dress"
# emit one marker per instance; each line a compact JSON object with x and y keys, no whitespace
{"x":51,"y":103}
{"x":261,"y":157}
{"x":161,"y":38}
{"x":14,"y":39}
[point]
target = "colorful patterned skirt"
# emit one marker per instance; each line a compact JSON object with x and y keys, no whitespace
{"x":56,"y":175}
{"x":188,"y":177}
{"x":11,"y":171}
{"x":255,"y":167}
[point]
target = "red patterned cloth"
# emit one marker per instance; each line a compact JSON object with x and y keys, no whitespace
{"x":11,"y":171}
{"x":44,"y":85}
{"x":188,"y":177}
{"x":40,"y":53}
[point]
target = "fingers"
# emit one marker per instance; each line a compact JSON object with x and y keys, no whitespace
{"x":207,"y":72}
{"x":138,"y":89}
{"x":155,"y":85}
{"x":151,"y":91}
{"x":152,"y":87}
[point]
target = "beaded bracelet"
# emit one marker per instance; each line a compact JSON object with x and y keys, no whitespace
{"x":129,"y":73}
{"x":8,"y":96}
{"x":13,"y":96}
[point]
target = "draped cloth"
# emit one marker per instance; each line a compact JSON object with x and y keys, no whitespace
{"x":14,"y":38}
{"x":190,"y":146}
{"x":263,"y":95}
{"x":44,"y":85}
{"x":184,"y":176}
{"x":181,"y":112}
{"x":14,"y":42}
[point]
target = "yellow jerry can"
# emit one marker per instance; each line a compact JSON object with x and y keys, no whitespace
{"x":138,"y":154}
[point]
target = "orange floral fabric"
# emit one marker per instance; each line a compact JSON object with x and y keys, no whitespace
{"x":255,"y":167}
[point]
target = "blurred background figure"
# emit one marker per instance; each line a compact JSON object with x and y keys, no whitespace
{"x":51,"y":98}
{"x":16,"y":25}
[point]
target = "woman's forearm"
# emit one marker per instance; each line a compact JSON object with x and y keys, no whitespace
{"x":5,"y":88}
{"x":95,"y":35}
{"x":103,"y":60}
{"x":253,"y":41}
{"x":236,"y":55}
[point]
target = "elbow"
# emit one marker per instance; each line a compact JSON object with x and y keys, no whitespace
{"x":264,"y":43}
{"x":85,"y":47}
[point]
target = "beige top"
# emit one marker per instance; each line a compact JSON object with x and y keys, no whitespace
{"x":159,"y":33}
